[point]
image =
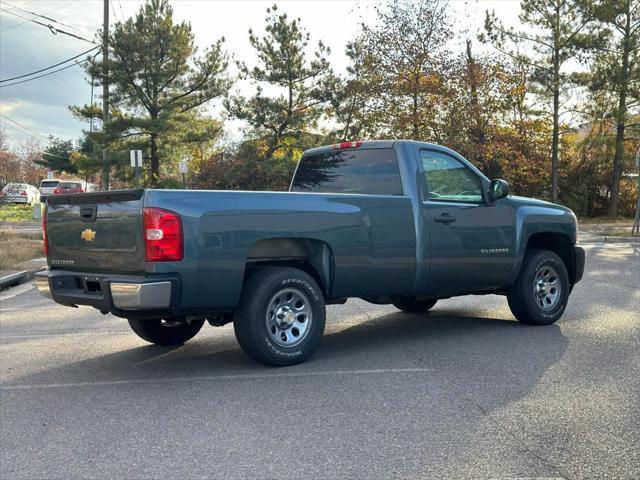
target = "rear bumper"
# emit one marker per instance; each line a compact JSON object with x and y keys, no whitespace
{"x":122,"y":295}
{"x":578,"y":262}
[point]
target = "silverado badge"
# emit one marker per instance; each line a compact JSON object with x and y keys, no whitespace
{"x":88,"y":235}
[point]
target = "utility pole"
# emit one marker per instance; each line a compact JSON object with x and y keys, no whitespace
{"x":105,"y":93}
{"x":635,"y":230}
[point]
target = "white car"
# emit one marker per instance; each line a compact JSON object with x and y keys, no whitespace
{"x":47,"y":186}
{"x":19,"y":193}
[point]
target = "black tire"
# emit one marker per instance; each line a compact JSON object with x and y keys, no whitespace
{"x":527,"y":303}
{"x":260,"y":292}
{"x":170,"y":332}
{"x":414,"y":306}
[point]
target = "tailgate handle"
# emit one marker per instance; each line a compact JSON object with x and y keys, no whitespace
{"x":88,"y":213}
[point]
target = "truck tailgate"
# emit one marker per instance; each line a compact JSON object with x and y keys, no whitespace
{"x":97,"y":232}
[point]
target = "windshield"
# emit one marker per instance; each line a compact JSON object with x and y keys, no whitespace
{"x":14,"y":186}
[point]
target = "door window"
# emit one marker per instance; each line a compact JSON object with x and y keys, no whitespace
{"x":449,"y":180}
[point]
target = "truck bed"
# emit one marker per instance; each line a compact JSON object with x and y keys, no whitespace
{"x":362,"y":236}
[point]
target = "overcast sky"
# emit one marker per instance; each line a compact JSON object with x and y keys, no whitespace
{"x":41,"y":106}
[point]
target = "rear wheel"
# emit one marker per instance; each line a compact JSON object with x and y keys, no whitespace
{"x":281,"y":316}
{"x":541,"y":293}
{"x":165,"y":332}
{"x":411,"y":305}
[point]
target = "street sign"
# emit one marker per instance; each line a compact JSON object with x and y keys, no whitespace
{"x":136,"y":158}
{"x":49,"y":175}
{"x":182,"y":166}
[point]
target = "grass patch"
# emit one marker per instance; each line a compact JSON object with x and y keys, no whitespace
{"x":16,"y":212}
{"x":17,"y":247}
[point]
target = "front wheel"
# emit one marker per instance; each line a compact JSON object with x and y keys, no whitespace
{"x":281,"y":316}
{"x":541,"y":293}
{"x":165,"y":332}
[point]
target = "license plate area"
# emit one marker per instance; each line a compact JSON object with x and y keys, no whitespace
{"x":89,"y":285}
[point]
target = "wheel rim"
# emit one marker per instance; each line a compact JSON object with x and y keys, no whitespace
{"x":289,"y":317}
{"x":546,"y":288}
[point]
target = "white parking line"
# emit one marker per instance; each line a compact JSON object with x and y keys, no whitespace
{"x":240,"y":376}
{"x":62,"y":334}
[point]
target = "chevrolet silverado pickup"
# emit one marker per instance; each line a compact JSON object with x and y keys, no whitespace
{"x":391,"y":222}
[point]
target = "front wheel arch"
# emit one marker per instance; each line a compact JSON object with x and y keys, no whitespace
{"x":558,"y":243}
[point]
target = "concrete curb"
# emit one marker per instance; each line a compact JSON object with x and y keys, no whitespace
{"x":14,"y":279}
{"x":25,"y":274}
{"x":17,"y":278}
{"x":612,"y":239}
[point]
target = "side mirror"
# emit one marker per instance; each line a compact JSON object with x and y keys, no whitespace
{"x":498,"y":189}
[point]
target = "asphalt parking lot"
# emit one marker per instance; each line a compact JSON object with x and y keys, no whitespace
{"x":465,"y":392}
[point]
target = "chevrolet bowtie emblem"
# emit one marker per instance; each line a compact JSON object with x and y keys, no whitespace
{"x":88,"y":235}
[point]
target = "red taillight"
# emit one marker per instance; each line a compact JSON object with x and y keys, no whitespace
{"x":57,"y":191}
{"x":23,"y":193}
{"x":44,"y":233}
{"x":162,"y":236}
{"x":345,"y":145}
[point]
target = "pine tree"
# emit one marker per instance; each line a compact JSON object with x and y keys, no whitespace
{"x":557,"y":30}
{"x":158,"y":81}
{"x":304,"y":85}
{"x":615,"y":72}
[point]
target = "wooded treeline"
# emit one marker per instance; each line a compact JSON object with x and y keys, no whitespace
{"x":552,"y":106}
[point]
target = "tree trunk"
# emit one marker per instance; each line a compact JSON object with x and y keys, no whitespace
{"x":155,"y":161}
{"x":612,"y":207}
{"x":555,"y":138}
{"x":478,"y":134}
{"x":416,"y":127}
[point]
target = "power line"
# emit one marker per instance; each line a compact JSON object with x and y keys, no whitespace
{"x":113,"y":10}
{"x":49,"y":68}
{"x":51,"y":28}
{"x":39,"y":15}
{"x":44,"y":74}
{"x":34,"y":133}
{"x":121,"y":12}
{"x":23,"y":127}
{"x":47,"y":12}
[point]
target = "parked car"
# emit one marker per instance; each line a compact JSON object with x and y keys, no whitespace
{"x":64,"y":188}
{"x":20,"y":193}
{"x":47,"y":186}
{"x":392,"y":222}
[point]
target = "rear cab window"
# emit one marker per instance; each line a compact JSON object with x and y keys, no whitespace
{"x":49,"y":183}
{"x":356,"y":171}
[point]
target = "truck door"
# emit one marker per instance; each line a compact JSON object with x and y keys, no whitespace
{"x":470,"y":240}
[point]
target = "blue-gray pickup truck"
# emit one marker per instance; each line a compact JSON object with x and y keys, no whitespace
{"x":391,"y":222}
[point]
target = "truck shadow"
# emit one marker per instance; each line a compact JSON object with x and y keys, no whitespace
{"x":491,"y":360}
{"x":497,"y":360}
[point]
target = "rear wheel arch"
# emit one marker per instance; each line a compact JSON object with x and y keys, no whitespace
{"x":313,"y":256}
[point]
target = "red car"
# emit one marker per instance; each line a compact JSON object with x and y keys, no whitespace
{"x":64,"y":188}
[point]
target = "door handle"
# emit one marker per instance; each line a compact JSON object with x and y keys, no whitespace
{"x":444,"y":218}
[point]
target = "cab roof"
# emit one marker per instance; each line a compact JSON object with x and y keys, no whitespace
{"x":368,"y":144}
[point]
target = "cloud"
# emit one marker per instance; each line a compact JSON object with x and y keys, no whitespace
{"x":8,"y":107}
